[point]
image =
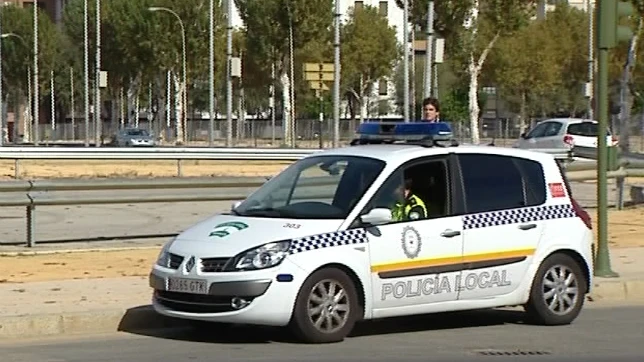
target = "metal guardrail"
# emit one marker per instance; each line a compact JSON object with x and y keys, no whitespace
{"x":32,"y":194}
{"x":177,"y":154}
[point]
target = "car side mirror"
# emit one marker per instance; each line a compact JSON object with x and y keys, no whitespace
{"x":377,"y":216}
{"x":235,"y":205}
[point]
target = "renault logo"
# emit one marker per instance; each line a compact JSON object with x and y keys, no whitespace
{"x":190,"y":264}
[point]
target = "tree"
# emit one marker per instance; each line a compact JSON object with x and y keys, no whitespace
{"x":540,"y":72}
{"x":269,"y":26}
{"x":369,"y":52}
{"x":18,"y":54}
{"x":139,"y":45}
{"x":487,"y":22}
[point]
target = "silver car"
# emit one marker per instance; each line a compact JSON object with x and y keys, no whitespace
{"x":133,"y":137}
{"x":564,"y":133}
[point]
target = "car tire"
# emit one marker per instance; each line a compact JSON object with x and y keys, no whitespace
{"x":310,"y":308}
{"x":556,"y":280}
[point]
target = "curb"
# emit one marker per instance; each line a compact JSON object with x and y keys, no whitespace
{"x":71,"y":251}
{"x":142,"y":318}
{"x":618,"y":290}
{"x":90,"y":322}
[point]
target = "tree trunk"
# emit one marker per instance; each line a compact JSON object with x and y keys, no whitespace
{"x":286,"y":103}
{"x":475,"y":68}
{"x":178,"y":86}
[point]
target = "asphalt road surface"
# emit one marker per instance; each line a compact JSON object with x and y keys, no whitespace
{"x":600,"y":334}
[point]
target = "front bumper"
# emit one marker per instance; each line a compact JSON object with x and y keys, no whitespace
{"x":262,"y":297}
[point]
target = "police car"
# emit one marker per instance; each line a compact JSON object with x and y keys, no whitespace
{"x":315,"y":248}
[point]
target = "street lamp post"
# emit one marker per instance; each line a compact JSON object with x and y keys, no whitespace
{"x":98,"y":129}
{"x":36,"y":85}
{"x":86,"y":72}
{"x":2,"y":131}
{"x":183,"y":60}
{"x":211,"y":68}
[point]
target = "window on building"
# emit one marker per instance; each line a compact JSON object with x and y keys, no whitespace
{"x":384,"y":8}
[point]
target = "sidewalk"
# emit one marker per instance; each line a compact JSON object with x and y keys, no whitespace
{"x":107,"y":304}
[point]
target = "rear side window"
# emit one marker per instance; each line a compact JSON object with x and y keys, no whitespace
{"x":497,"y":182}
{"x":586,"y":129}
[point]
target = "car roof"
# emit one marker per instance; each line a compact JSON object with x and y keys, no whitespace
{"x":569,"y":120}
{"x":398,"y":153}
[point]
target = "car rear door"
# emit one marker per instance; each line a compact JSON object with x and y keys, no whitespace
{"x":503,"y":222}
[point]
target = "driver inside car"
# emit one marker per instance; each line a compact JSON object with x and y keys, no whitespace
{"x":408,"y":206}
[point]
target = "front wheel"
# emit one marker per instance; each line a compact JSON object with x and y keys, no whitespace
{"x":326,"y":308}
{"x":558,"y":291}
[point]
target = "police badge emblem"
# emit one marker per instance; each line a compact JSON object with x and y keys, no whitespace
{"x":411,"y":242}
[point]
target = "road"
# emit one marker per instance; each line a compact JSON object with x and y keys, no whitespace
{"x":600,"y":334}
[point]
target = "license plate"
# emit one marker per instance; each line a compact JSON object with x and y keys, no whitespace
{"x":194,"y":286}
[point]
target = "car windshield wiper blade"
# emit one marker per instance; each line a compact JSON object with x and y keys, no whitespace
{"x":265,"y":211}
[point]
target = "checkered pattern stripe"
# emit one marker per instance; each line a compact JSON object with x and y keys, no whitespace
{"x":328,"y":240}
{"x":515,"y":216}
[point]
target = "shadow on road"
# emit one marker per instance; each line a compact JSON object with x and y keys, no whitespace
{"x":144,"y":321}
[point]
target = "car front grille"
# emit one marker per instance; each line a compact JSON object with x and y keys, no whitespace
{"x":213,"y":265}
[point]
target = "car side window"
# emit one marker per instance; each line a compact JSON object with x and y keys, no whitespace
{"x":430,"y":183}
{"x":498,"y":182}
{"x":552,"y":129}
{"x":538,"y":131}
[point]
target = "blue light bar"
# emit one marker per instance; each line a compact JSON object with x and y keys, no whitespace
{"x":399,"y":131}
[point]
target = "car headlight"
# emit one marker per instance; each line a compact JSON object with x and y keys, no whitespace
{"x":164,"y":255}
{"x":262,"y":257}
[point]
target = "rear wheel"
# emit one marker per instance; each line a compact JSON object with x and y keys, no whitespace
{"x":326,"y":308}
{"x":558,"y":291}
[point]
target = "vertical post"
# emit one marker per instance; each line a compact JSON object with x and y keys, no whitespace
{"x":336,"y":76}
{"x":321,"y":121}
{"x":31,"y":226}
{"x":2,"y":131}
{"x":36,"y":85}
{"x":591,"y":59}
{"x":603,"y":268}
{"x":211,"y":68}
{"x":292,"y":86}
{"x":73,"y":106}
{"x":97,"y":83}
{"x":429,"y":56}
{"x":168,"y":103}
{"x":272,"y":102}
{"x":229,"y":77}
{"x":406,"y":60}
{"x":179,"y":171}
{"x":53,"y":103}
{"x":16,"y":168}
{"x":86,"y":74}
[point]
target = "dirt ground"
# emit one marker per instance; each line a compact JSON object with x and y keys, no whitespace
{"x":626,"y":230}
{"x":39,"y":169}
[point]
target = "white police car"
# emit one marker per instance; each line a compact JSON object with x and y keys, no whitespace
{"x":315,"y":248}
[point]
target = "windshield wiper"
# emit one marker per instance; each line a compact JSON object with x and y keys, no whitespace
{"x":265,"y":211}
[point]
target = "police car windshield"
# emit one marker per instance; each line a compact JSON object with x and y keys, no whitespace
{"x":318,"y":187}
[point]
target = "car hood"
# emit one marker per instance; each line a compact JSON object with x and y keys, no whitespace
{"x":228,"y":235}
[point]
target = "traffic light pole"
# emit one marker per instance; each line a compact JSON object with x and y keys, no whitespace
{"x":602,"y":260}
{"x":609,"y":34}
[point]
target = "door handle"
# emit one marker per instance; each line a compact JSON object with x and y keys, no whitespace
{"x":450,"y":233}
{"x":527,"y":226}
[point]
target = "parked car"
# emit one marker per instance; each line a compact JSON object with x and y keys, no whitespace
{"x":564,"y":133}
{"x":317,"y":247}
{"x":132,"y":137}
